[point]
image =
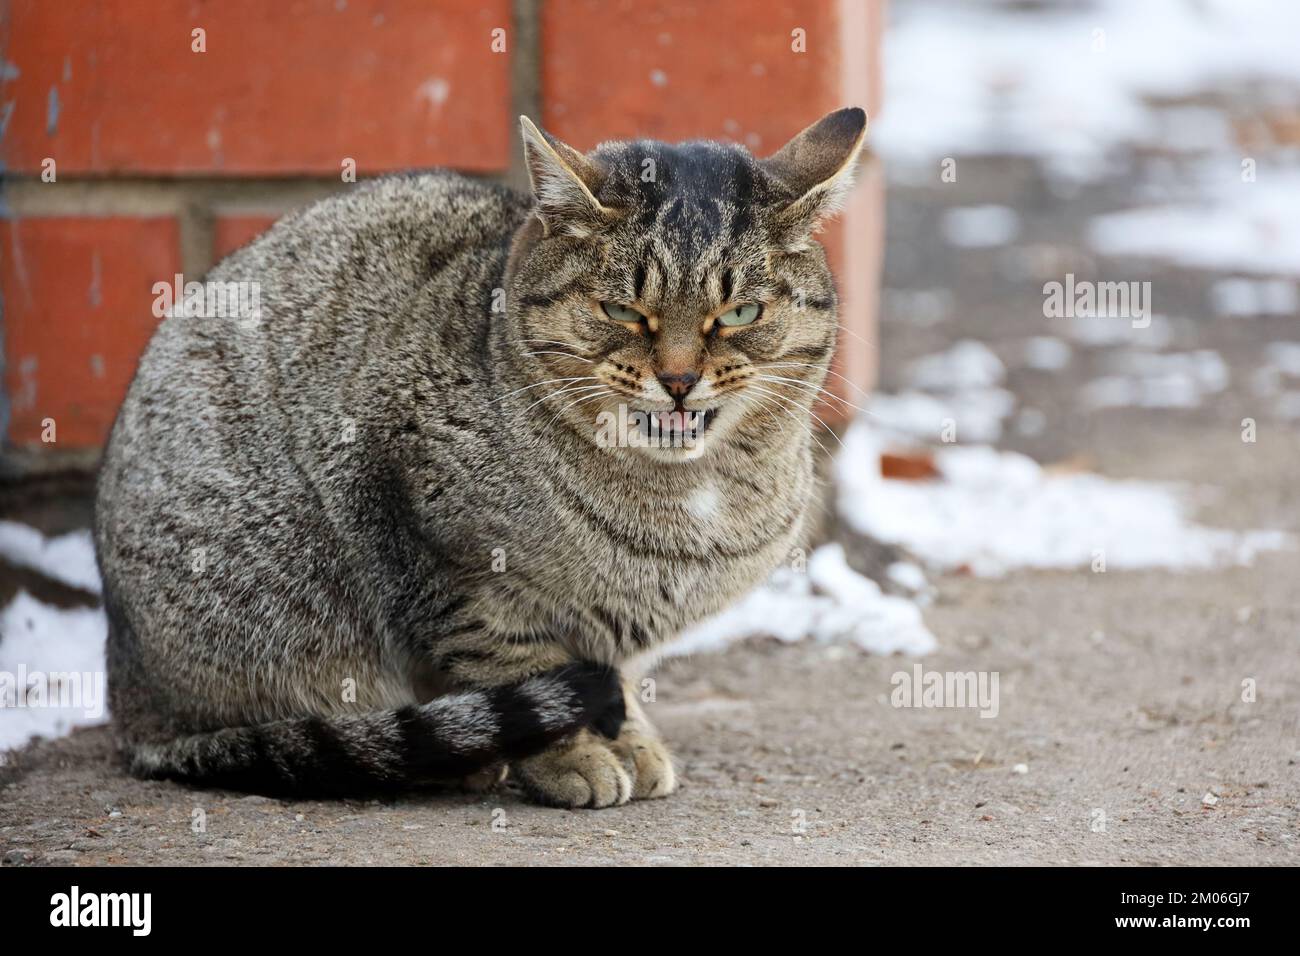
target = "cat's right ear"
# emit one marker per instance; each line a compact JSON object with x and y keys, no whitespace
{"x":817,"y":166}
{"x":564,"y":184}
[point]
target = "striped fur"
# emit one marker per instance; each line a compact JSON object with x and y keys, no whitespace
{"x":314,"y":528}
{"x":451,"y":737}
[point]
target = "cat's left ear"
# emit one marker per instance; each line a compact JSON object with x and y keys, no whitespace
{"x":564,"y":183}
{"x":817,"y":166}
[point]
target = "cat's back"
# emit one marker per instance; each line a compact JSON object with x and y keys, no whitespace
{"x":400,"y":231}
{"x":329,"y":283}
{"x":308,"y":311}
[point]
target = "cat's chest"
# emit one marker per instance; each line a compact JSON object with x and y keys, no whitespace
{"x":666,"y":565}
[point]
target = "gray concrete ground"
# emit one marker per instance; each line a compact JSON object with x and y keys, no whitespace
{"x":1120,"y":692}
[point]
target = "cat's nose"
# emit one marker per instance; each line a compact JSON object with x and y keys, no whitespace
{"x":678,"y":384}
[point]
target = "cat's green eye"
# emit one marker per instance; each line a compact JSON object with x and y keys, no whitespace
{"x":621,"y":313}
{"x":740,"y":315}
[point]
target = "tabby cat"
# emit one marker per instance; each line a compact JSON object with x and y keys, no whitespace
{"x":479,"y":455}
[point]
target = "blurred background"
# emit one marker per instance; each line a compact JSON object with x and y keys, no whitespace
{"x":994,"y":451}
{"x":143,"y":139}
{"x":1022,"y":141}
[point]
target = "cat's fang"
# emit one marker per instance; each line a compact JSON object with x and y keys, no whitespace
{"x":675,"y":428}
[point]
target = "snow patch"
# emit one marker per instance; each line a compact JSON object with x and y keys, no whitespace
{"x":1244,"y":227}
{"x":1285,"y":357}
{"x":1158,"y":380}
{"x":968,"y":364}
{"x":958,"y":397}
{"x":1238,"y":297}
{"x":1071,"y":83}
{"x":980,"y":227}
{"x":38,"y":640}
{"x":1102,"y":330}
{"x":997,"y":511}
{"x":829,"y":602}
{"x":69,"y":558}
{"x":975,"y":415}
{"x":1046,"y":353}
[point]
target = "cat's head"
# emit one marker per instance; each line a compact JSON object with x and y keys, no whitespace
{"x":672,"y":295}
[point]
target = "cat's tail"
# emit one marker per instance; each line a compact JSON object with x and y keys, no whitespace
{"x":448,"y":738}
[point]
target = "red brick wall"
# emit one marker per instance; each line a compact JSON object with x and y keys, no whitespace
{"x":275,"y":91}
{"x":166,"y":157}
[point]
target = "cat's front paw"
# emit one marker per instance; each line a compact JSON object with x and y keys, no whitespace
{"x":580,"y":772}
{"x":649,"y":763}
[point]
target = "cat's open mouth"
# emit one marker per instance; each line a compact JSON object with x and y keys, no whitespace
{"x":676,"y":429}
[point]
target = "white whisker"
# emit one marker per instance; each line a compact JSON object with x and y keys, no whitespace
{"x":586,"y":398}
{"x":800,"y":408}
{"x":845,"y":328}
{"x":567,"y":345}
{"x":565,"y":354}
{"x":816,"y":390}
{"x":767,"y":403}
{"x":828,"y":371}
{"x":549,"y":381}
{"x":567,"y":390}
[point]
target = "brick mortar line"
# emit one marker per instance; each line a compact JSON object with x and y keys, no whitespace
{"x":28,"y":196}
{"x":91,"y":197}
{"x":525,"y":82}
